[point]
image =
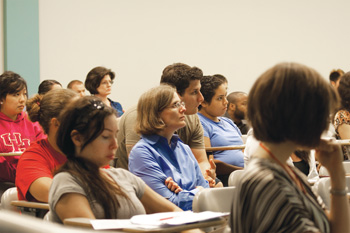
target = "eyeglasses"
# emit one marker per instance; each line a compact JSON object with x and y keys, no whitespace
{"x":178,"y":105}
{"x":107,"y":82}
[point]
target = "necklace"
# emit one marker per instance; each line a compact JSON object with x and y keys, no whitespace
{"x":295,"y":179}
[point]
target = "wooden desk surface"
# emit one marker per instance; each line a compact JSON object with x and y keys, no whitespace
{"x":11,"y":154}
{"x":238,"y":147}
{"x":29,"y":204}
{"x":85,"y":222}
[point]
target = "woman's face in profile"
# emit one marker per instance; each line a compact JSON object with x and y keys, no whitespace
{"x":102,"y":150}
{"x":105,"y":87}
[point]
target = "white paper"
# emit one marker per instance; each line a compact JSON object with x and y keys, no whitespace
{"x":175,"y":218}
{"x":103,"y":224}
{"x":154,"y":221}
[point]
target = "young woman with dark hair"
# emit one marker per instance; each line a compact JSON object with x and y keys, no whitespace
{"x":17,"y":132}
{"x":82,"y":188}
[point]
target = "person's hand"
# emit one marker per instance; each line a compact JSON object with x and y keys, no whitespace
{"x":172,"y":185}
{"x":200,"y":188}
{"x":330,"y":156}
{"x":212,"y":170}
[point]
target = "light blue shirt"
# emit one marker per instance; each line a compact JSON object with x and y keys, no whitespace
{"x":224,"y":133}
{"x":154,"y":160}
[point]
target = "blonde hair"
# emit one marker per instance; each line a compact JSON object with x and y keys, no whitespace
{"x":149,"y":107}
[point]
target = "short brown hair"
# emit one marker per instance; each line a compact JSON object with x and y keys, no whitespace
{"x":94,"y":77}
{"x":290,"y":102}
{"x":149,"y":107}
{"x":180,"y":75}
{"x":73,"y":82}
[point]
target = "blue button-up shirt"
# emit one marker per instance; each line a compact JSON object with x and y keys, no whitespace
{"x":154,"y":160}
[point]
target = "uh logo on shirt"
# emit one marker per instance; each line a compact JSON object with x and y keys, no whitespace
{"x":13,"y":142}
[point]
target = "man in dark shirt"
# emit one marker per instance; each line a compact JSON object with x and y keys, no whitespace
{"x":237,"y":110}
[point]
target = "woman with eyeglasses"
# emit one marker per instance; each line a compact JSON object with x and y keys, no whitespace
{"x":160,"y":155}
{"x":99,"y":83}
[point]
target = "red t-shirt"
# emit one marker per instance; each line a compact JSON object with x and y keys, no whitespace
{"x":40,"y":159}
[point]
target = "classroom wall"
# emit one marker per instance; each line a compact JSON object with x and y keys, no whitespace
{"x":1,"y":38}
{"x":239,"y":39}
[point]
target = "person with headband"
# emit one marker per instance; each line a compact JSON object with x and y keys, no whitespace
{"x":82,"y":187}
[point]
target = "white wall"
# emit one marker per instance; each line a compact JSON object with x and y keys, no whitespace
{"x":239,"y":39}
{"x":1,"y":38}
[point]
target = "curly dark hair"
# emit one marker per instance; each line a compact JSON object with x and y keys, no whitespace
{"x":180,"y":75}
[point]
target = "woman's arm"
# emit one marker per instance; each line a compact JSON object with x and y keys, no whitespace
{"x":39,"y":189}
{"x":331,"y":158}
{"x":222,"y":168}
{"x":344,"y":131}
{"x":147,"y":163}
{"x":153,"y":202}
{"x":73,"y":205}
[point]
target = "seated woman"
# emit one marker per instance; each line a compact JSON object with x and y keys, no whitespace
{"x":87,"y":135}
{"x":160,"y":154}
{"x":289,"y":107}
{"x":17,"y":132}
{"x":342,"y":117}
{"x":39,"y":161}
{"x":218,"y":130}
{"x":99,"y":82}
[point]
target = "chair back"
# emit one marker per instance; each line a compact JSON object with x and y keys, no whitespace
{"x":346,"y":165}
{"x":234,"y":177}
{"x":6,"y":198}
{"x":213,"y":199}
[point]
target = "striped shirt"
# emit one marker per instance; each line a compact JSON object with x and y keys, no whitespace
{"x":267,"y":200}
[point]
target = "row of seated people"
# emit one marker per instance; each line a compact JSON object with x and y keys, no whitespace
{"x":88,"y":148}
{"x":17,"y":131}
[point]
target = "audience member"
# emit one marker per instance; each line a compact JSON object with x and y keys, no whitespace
{"x":342,"y":117}
{"x":47,"y":85}
{"x":78,"y":86}
{"x":218,"y":130}
{"x":39,"y":161}
{"x":160,"y":154}
{"x":81,"y":188}
{"x":99,"y":83}
{"x":17,"y":132}
{"x":288,"y":203}
{"x":186,"y":80}
{"x":237,"y":110}
{"x":335,"y":77}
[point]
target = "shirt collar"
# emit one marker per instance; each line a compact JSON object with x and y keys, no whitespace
{"x":153,"y":139}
